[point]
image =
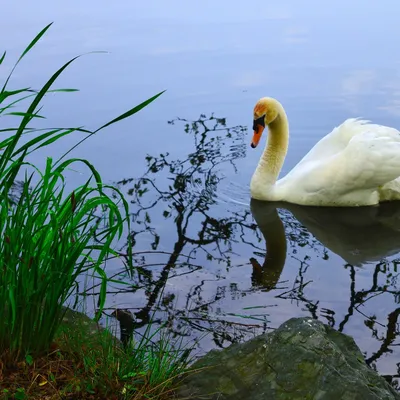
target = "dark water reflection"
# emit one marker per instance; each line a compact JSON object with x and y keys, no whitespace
{"x":209,"y":262}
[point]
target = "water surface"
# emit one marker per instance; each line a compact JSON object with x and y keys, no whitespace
{"x":185,"y":161}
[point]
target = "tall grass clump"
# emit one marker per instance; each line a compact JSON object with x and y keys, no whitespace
{"x":46,"y":233}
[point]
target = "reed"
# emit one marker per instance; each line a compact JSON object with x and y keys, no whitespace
{"x":48,"y":238}
{"x":47,"y":234}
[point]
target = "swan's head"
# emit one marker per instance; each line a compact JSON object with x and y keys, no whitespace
{"x":265,"y":112}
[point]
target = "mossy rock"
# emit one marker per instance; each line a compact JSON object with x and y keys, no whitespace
{"x":303,"y":359}
{"x":85,"y":329}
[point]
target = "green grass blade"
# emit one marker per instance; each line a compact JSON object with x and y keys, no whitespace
{"x":34,"y":141}
{"x":6,"y":93}
{"x":22,"y":114}
{"x":66,"y":90}
{"x":54,"y":139}
{"x":119,"y":118}
{"x":34,"y":41}
{"x":29,"y":47}
{"x":132,"y":111}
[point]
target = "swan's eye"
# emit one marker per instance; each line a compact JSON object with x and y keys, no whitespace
{"x":259,"y":121}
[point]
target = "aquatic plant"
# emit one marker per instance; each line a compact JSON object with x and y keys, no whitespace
{"x":47,"y":233}
{"x":49,"y":237}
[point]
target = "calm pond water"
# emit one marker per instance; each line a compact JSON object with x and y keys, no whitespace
{"x":185,"y":162}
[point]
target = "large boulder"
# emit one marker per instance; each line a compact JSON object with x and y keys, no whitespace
{"x":302,"y":359}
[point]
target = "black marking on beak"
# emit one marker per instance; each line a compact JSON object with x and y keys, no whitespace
{"x":252,"y":145}
{"x":259,"y":121}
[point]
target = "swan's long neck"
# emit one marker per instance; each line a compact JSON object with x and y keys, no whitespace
{"x":274,"y":154}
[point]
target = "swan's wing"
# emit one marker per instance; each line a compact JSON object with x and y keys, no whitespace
{"x":327,"y":147}
{"x":337,"y":140}
{"x":370,"y":160}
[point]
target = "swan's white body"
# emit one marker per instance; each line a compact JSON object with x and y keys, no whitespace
{"x":357,"y":164}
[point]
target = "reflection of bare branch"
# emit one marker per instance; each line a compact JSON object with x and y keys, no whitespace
{"x":352,"y":298}
{"x":181,"y":192}
{"x":391,"y":333}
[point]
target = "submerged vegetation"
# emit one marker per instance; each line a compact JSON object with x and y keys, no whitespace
{"x":48,"y":238}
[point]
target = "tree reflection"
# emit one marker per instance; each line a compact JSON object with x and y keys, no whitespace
{"x":183,"y":193}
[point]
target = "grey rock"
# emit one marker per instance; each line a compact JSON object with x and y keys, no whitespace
{"x":302,"y":359}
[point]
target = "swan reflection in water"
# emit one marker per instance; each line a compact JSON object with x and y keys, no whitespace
{"x":360,"y":236}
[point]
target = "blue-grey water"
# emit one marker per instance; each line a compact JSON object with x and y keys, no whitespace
{"x":324,"y":61}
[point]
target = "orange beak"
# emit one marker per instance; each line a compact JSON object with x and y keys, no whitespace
{"x":257,"y":136}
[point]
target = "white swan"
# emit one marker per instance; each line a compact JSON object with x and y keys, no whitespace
{"x":357,"y":164}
